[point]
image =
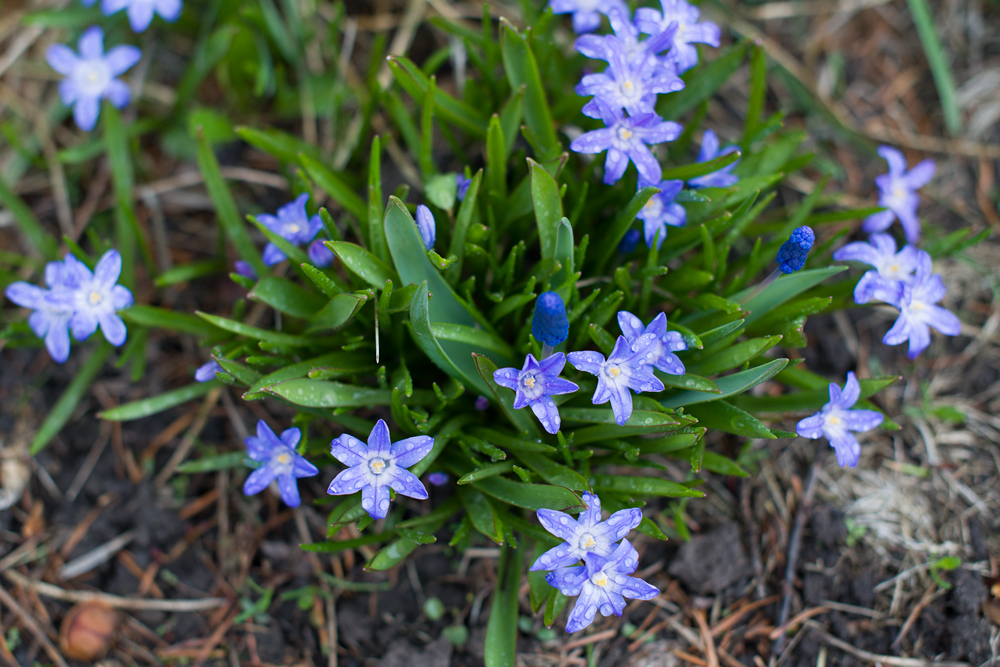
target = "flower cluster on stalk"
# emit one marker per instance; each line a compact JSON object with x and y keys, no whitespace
{"x":77,"y":300}
{"x":603,"y":581}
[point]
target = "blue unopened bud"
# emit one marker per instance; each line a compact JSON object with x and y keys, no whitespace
{"x":550,"y":324}
{"x":629,"y":242}
{"x":793,"y":252}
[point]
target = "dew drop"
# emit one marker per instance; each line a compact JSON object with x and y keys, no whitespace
{"x":384,"y":504}
{"x":367,"y":503}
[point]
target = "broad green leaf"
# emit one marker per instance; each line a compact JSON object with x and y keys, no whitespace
{"x":671,"y":443}
{"x":486,"y":471}
{"x":446,"y":107}
{"x":287,"y":297}
{"x":346,"y":362}
{"x":548,"y":207}
{"x":737,"y":383}
{"x":161,"y":318}
{"x":522,"y":70}
{"x":722,"y":465}
{"x":338,"y":311}
{"x":639,"y":418}
{"x":213,"y":463}
{"x":722,"y":416}
{"x":944,"y":80}
{"x":254,"y":332}
{"x":644,"y":486}
{"x":702,"y":81}
{"x":805,"y":401}
{"x":187,"y":272}
{"x":241,"y":372}
{"x":320,"y":394}
{"x":63,"y":409}
{"x":480,"y":511}
{"x":623,"y":221}
{"x":155,"y":404}
{"x":564,"y":255}
{"x":474,"y":337}
{"x":783,"y":289}
{"x":528,"y":496}
{"x":552,"y":472}
{"x":441,"y":190}
{"x":734,"y":355}
{"x":689,"y":381}
{"x":281,"y":145}
{"x":689,"y":171}
{"x":363,"y":264}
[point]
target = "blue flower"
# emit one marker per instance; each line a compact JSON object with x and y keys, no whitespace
{"x":549,"y":323}
{"x":292,"y":224}
{"x":594,"y":46}
{"x":661,"y":353}
{"x":625,"y":140}
{"x":689,"y":31}
{"x":661,"y":210}
{"x":207,"y":371}
{"x":140,"y":12}
{"x":587,"y":13}
{"x":461,"y":186}
{"x":280,"y":462}
{"x":709,"y":151}
{"x":918,"y":311}
{"x":629,"y":242}
{"x":481,"y":403}
{"x":94,"y":297}
{"x":319,"y":254}
{"x":601,"y":584}
{"x":629,"y":84}
{"x":377,"y":467}
{"x":627,"y":368}
{"x":793,"y":253}
{"x":898,"y":194}
{"x":245,"y":269}
{"x":535,"y":385}
{"x":585,"y":535}
{"x":836,"y":421}
{"x":438,"y":478}
{"x":49,"y":321}
{"x":91,"y":75}
{"x":426,"y":226}
{"x":891,"y":268}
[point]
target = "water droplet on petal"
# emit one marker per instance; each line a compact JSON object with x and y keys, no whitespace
{"x":384,"y":504}
{"x":367,"y":503}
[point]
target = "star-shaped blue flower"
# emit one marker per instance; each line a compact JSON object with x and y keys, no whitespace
{"x":625,"y":139}
{"x":140,"y":12}
{"x":661,"y":353}
{"x":594,"y":46}
{"x":631,"y":84}
{"x":206,"y":372}
{"x":91,"y":75}
{"x":293,"y":224}
{"x":602,"y":584}
{"x":918,"y":310}
{"x":689,"y":30}
{"x":587,"y":13}
{"x":50,"y":319}
{"x":584,"y":535}
{"x":379,"y":466}
{"x":535,"y":385}
{"x":898,"y":194}
{"x":95,"y":297}
{"x":722,"y":178}
{"x":628,"y":368}
{"x":280,"y":462}
{"x":836,"y":421}
{"x":661,"y":210}
{"x":891,"y":268}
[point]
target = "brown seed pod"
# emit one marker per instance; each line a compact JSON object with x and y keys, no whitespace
{"x":87,"y":631}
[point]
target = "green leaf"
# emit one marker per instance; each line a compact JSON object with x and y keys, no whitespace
{"x":441,"y":190}
{"x":487,"y":471}
{"x":806,"y":401}
{"x":392,"y":554}
{"x":333,"y":185}
{"x":187,"y":272}
{"x":61,"y":412}
{"x":500,"y":644}
{"x":32,"y":229}
{"x":376,"y":203}
{"x":693,"y":382}
{"x":548,"y":207}
{"x":446,"y":107}
{"x":734,"y":355}
{"x":254,"y":332}
{"x":340,"y":310}
{"x":363,"y":264}
{"x":552,"y":472}
{"x":671,"y":443}
{"x":737,"y":383}
{"x":161,"y":318}
{"x":528,"y":496}
{"x":286,"y":297}
{"x":639,"y":418}
{"x":722,"y":416}
{"x":155,"y":404}
{"x":564,"y":255}
{"x":722,"y":465}
{"x":225,"y":207}
{"x":689,"y":171}
{"x":462,"y":222}
{"x":702,"y":81}
{"x":213,"y":463}
{"x":923,"y":18}
{"x":623,"y":221}
{"x":522,"y":70}
{"x":296,"y":254}
{"x":644,"y":486}
{"x":281,"y":145}
{"x":321,"y":394}
{"x":783,"y":289}
{"x":473,"y":337}
{"x":480,"y":511}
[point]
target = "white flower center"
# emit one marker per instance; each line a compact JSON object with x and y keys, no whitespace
{"x":284,"y":458}
{"x":624,"y":133}
{"x":614,"y":371}
{"x":377,"y":466}
{"x":599,"y":579}
{"x":587,"y":541}
{"x":92,"y":77}
{"x":293,"y":229}
{"x":628,"y":89}
{"x":833,"y":421}
{"x":95,"y":298}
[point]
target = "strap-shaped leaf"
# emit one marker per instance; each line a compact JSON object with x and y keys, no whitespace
{"x":522,"y":70}
{"x":500,"y":645}
{"x":286,"y":297}
{"x":321,"y":394}
{"x":722,"y":416}
{"x":737,"y":383}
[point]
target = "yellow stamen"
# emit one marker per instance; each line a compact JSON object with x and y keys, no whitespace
{"x":284,"y":458}
{"x":530,"y":383}
{"x":94,"y":298}
{"x":588,"y":541}
{"x":614,"y":371}
{"x":377,"y":466}
{"x":600,"y":579}
{"x":833,"y":421}
{"x":624,"y":134}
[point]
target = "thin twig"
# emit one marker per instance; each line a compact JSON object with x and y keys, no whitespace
{"x":794,"y":543}
{"x":32,"y":627}
{"x":95,"y":557}
{"x":867,"y":656}
{"x":56,"y":593}
{"x":746,"y":496}
{"x":915,"y":614}
{"x":184,"y":448}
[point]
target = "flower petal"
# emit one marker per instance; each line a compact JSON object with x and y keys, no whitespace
{"x":140,"y":15}
{"x":61,"y":58}
{"x":583,"y":613}
{"x":862,"y":420}
{"x":288,"y":489}
{"x":85,"y":112}
{"x":349,"y":450}
{"x":547,"y":412}
{"x":91,"y":44}
{"x":622,"y":522}
{"x":26,"y":295}
{"x":108,"y":269}
{"x":567,"y":580}
{"x":920,"y":175}
{"x":258,"y":480}
{"x":877,"y":222}
{"x":113,"y":328}
{"x":348,"y":481}
{"x":375,"y":500}
{"x":506,"y":377}
{"x":303,"y":468}
{"x":57,"y":343}
{"x":810,"y":427}
{"x":851,"y":392}
{"x":122,"y":57}
{"x":896,"y":160}
{"x":118,"y":93}
{"x":273,"y":255}
{"x":378,"y":440}
{"x":560,"y":524}
{"x":405,"y":483}
{"x":557,"y":557}
{"x":587,"y":361}
{"x":83,"y":325}
{"x":406,"y":453}
{"x":847,"y":448}
{"x":290,"y":437}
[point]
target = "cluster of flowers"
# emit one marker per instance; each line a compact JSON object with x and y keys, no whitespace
{"x":903,"y":279}
{"x":91,"y":75}
{"x":625,"y":93}
{"x":77,"y":300}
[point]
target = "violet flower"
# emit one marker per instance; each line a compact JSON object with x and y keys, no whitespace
{"x":584,"y":535}
{"x":438,"y":478}
{"x":602,"y":584}
{"x":631,"y":84}
{"x":245,"y":269}
{"x":898,"y":194}
{"x":49,"y":321}
{"x":90,"y":76}
{"x":587,"y":13}
{"x":722,"y":178}
{"x":661,"y":210}
{"x":836,"y":421}
{"x":918,"y":310}
{"x":594,"y":46}
{"x":377,"y":467}
{"x":319,"y":254}
{"x":293,"y":224}
{"x":461,"y":186}
{"x":625,"y":140}
{"x":794,"y":252}
{"x":535,"y":385}
{"x":94,"y":298}
{"x":628,"y":367}
{"x":140,"y":12}
{"x":206,"y":372}
{"x":629,"y":242}
{"x":689,"y":30}
{"x":891,"y":267}
{"x":426,"y":226}
{"x":661,"y":354}
{"x":280,"y":462}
